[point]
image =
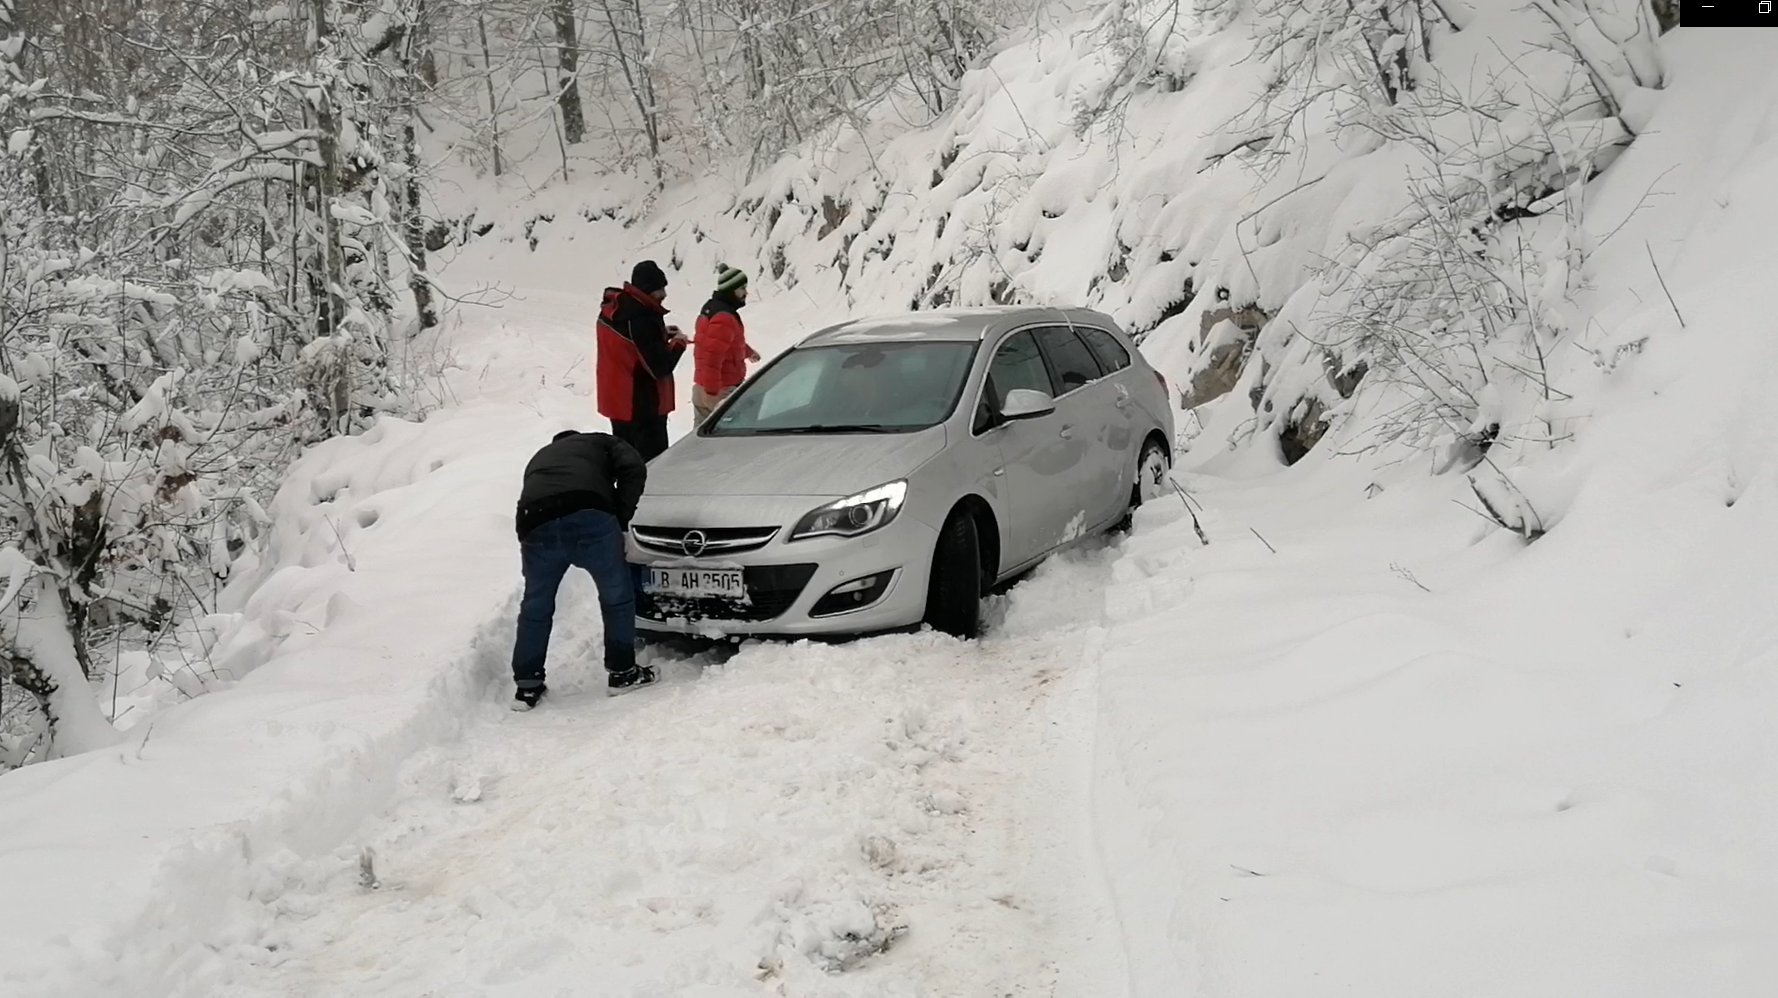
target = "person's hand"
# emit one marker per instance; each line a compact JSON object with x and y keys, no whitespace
{"x":752,"y":355}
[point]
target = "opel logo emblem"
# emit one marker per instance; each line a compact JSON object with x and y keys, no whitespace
{"x":693,"y":543}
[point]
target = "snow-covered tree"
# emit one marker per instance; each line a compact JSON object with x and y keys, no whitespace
{"x":205,"y":212}
{"x":676,"y":85}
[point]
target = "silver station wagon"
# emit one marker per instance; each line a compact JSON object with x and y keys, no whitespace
{"x":884,"y":474}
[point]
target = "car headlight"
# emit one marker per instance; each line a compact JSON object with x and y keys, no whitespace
{"x":853,"y":515}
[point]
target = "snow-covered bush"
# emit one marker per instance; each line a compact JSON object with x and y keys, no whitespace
{"x":1416,"y":170}
{"x":203,"y":211}
{"x":1455,"y":302}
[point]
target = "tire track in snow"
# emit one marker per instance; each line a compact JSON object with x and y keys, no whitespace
{"x":893,"y":817}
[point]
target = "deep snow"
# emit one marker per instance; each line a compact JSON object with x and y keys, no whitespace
{"x":1407,"y":754}
{"x":764,"y":825}
{"x":1363,"y":742}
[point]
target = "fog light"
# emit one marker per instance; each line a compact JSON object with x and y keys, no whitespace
{"x":855,"y":594}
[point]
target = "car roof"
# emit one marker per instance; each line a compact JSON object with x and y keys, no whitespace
{"x":950,"y":325}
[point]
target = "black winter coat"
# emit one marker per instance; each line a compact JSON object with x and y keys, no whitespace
{"x":634,"y":368}
{"x":577,"y":472}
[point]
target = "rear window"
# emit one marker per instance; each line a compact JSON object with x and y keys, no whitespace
{"x":1112,"y":355}
{"x":1070,"y":360}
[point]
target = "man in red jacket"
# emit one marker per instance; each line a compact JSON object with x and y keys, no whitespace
{"x":637,"y":353}
{"x":720,"y":353}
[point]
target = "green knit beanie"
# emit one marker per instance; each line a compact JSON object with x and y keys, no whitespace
{"x":729,"y":279}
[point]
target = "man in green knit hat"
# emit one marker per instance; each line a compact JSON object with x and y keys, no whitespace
{"x":720,"y":352}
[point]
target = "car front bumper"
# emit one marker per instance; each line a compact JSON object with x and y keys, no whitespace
{"x":786,"y":579}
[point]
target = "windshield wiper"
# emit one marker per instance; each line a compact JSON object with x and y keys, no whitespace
{"x":840,"y":428}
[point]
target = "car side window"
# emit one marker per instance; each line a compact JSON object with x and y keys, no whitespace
{"x":1111,"y":354}
{"x":1073,"y":363}
{"x":1017,"y":364}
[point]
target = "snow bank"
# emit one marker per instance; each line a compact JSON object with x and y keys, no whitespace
{"x":362,"y":636}
{"x":1366,"y":742}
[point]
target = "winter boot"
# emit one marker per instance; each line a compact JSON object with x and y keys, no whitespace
{"x":527,"y":698}
{"x":629,"y":682}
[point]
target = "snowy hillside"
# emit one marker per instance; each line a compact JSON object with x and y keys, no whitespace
{"x":1375,"y":738}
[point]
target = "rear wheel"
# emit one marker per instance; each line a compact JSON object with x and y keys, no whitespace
{"x":1151,"y":480}
{"x":1151,"y":474}
{"x":954,"y":592}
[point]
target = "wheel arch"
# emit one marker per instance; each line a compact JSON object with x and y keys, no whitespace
{"x":987,"y":533}
{"x":1155,"y":436}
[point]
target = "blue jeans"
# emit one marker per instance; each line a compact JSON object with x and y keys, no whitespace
{"x":592,"y":540}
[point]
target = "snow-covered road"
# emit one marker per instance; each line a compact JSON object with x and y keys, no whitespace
{"x":764,"y":825}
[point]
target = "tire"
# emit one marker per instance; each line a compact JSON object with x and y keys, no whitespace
{"x":1151,"y":474}
{"x":1150,"y":482}
{"x":954,"y":591}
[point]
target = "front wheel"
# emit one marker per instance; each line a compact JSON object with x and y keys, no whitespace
{"x":954,"y":592}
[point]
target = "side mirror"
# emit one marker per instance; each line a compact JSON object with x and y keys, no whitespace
{"x":1026,"y":403}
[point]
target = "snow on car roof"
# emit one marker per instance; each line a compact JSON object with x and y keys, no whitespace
{"x":950,"y":324}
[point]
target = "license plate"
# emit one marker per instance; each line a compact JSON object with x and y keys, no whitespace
{"x":697,"y":583}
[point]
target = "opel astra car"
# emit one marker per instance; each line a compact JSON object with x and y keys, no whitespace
{"x":883,"y":474}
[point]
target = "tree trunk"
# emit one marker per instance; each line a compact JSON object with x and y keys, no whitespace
{"x":751,"y":58}
{"x":568,"y":65}
{"x":43,"y":654}
{"x":632,"y":58}
{"x":333,"y":389}
{"x":44,"y":664}
{"x":1666,"y":14}
{"x":414,"y":228}
{"x":481,"y":24}
{"x":413,"y":223}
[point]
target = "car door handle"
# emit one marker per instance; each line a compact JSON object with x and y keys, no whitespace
{"x":1067,"y":432}
{"x":999,"y":471}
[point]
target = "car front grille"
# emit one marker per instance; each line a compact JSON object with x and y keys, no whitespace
{"x":771,"y":589}
{"x":716,"y":541}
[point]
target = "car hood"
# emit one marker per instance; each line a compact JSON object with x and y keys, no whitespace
{"x":790,"y":465}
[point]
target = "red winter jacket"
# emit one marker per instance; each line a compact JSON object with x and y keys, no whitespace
{"x":634,"y":366}
{"x":719,"y":353}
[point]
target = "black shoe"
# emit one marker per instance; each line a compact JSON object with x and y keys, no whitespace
{"x":526,"y":699}
{"x":630,"y":681}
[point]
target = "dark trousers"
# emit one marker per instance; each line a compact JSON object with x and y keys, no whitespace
{"x":648,"y":434}
{"x":592,"y":540}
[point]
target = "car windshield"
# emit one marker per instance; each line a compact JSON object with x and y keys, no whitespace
{"x":850,"y":388}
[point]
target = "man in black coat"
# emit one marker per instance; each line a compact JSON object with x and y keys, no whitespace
{"x":579,"y":494}
{"x":637,"y":352}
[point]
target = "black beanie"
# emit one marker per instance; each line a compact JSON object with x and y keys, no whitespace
{"x":648,"y":276}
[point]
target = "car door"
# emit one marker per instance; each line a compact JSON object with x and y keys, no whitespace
{"x":1132,"y":420}
{"x":1039,"y":457}
{"x":1093,"y":422}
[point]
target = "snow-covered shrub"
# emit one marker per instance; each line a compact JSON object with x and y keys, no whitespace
{"x":198,"y":248}
{"x":1455,"y":304}
{"x":1453,"y":144}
